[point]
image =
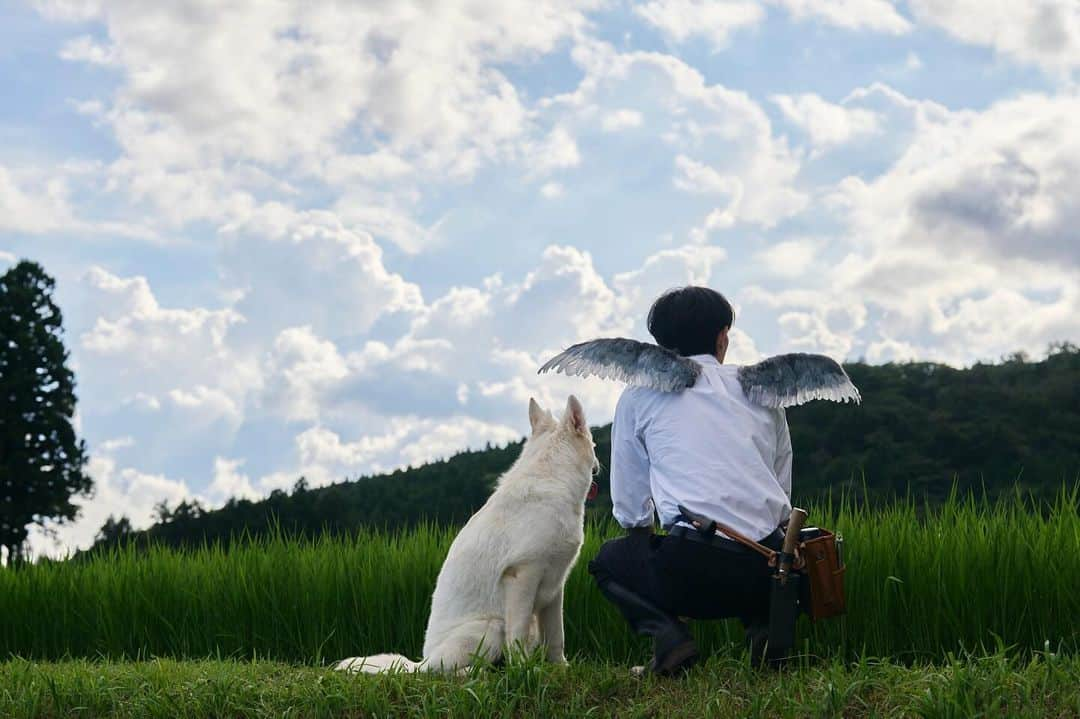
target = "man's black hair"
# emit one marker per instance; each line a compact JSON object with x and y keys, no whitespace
{"x":688,"y":320}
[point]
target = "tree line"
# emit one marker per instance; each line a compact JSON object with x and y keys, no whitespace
{"x":923,"y":430}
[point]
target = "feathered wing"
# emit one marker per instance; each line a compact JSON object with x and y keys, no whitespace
{"x":789,"y":380}
{"x":637,"y":363}
{"x":785,"y":380}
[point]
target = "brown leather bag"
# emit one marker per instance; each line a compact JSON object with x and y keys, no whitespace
{"x":823,"y":568}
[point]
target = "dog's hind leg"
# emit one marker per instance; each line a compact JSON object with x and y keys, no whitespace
{"x":551,"y":629}
{"x":520,"y":584}
{"x":477,"y":638}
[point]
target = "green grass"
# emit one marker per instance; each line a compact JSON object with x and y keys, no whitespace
{"x":996,"y":685}
{"x":974,"y":576}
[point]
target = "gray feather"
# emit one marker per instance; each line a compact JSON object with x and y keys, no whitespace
{"x":637,"y":363}
{"x":792,"y":379}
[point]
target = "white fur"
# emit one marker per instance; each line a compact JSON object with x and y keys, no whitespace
{"x":501,"y":585}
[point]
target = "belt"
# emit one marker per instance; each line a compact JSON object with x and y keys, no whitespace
{"x":773,"y":541}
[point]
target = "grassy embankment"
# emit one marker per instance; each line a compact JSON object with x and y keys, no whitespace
{"x":1043,"y":686}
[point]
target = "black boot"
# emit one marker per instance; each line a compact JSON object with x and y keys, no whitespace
{"x":674,"y":650}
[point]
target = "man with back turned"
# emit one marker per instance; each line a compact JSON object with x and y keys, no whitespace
{"x":713,"y":451}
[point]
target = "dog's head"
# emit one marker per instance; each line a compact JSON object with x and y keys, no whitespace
{"x":571,"y":431}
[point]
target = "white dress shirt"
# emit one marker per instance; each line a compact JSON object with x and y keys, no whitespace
{"x":708,"y":448}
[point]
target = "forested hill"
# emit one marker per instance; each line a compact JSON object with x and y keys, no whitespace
{"x":921,"y":426}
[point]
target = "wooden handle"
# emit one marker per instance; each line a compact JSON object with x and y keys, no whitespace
{"x":791,"y":539}
{"x":795,"y":525}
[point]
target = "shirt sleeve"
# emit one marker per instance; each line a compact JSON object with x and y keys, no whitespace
{"x":631,"y":496}
{"x":782,"y":465}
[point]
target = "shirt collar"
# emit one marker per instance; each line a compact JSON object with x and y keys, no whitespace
{"x":705,"y":359}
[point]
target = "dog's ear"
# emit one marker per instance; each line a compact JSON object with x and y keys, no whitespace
{"x":574,"y":417}
{"x":537,"y":416}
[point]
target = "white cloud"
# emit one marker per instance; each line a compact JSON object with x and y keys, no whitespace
{"x":112,"y":445}
{"x":300,"y":369}
{"x":174,"y":379}
{"x":696,"y":177}
{"x":827,"y":124}
{"x":35,"y":209}
{"x":309,"y":268}
{"x":998,"y":182}
{"x":826,"y":320}
{"x":557,"y":151}
{"x":790,"y":258}
{"x":155,"y":349}
{"x":718,"y":137}
{"x":1041,"y":32}
{"x":85,"y":49}
{"x":209,"y":100}
{"x":713,"y":19}
{"x":875,"y":15}
{"x":117,"y":491}
{"x":206,"y":406}
{"x":667,"y":269}
{"x":962,"y":249}
{"x":717,"y":20}
{"x":229,"y":482}
{"x":622,"y":119}
{"x":551,"y":190}
{"x":324,"y":457}
{"x":481,"y":346}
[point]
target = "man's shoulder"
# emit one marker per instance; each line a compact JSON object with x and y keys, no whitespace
{"x":637,"y":396}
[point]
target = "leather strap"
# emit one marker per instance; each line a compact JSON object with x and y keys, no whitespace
{"x":710,"y":526}
{"x":743,"y":539}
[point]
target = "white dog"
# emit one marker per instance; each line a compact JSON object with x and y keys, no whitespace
{"x":501,"y":585}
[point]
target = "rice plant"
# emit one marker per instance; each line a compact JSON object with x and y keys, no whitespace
{"x":973,"y":576}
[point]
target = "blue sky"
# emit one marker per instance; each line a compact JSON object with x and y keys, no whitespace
{"x":331,"y":238}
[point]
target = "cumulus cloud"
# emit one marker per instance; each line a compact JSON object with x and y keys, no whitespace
{"x":997,"y":182}
{"x":154,"y":349}
{"x":325,"y":457}
{"x":117,"y":491}
{"x":1041,"y":32}
{"x":209,"y":98}
{"x":791,"y":258}
{"x":229,"y":483}
{"x":480,"y":346}
{"x":300,"y":369}
{"x":825,"y":123}
{"x":716,"y":141}
{"x":961,"y":249}
{"x":622,"y":119}
{"x":551,"y":190}
{"x":875,"y":15}
{"x":32,"y":208}
{"x":308,"y":268}
{"x":716,"y":21}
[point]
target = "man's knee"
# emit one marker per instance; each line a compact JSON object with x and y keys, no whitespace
{"x":604,"y":566}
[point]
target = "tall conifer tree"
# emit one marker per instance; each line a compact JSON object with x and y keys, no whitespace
{"x":41,"y":460}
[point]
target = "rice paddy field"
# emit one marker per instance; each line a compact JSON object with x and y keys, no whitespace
{"x":964,"y":611}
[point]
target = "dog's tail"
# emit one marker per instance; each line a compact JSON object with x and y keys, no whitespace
{"x":378,"y":664}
